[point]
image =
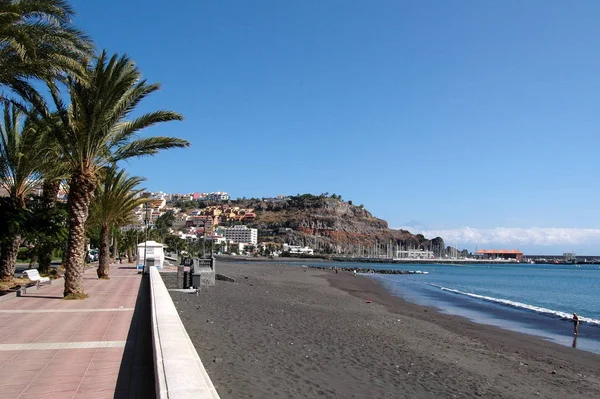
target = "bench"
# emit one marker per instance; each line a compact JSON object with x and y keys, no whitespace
{"x":34,"y":277}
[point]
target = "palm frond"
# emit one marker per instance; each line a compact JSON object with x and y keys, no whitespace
{"x":116,"y":198}
{"x":147,"y":146}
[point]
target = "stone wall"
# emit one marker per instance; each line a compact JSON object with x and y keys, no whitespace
{"x":171,"y":281}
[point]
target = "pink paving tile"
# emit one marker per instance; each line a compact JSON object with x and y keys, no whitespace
{"x":65,"y":370}
{"x":108,"y":355}
{"x":75,"y":355}
{"x":115,"y":337}
{"x":95,"y":393}
{"x":51,"y":385}
{"x":13,"y":386}
{"x":6,"y":356}
{"x":52,"y":381}
{"x":86,"y":337}
{"x":14,"y":393}
{"x":41,"y":394}
{"x":99,"y":380}
{"x":30,"y":369}
{"x":103,"y":366}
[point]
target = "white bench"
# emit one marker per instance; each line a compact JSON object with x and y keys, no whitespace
{"x":34,"y":277}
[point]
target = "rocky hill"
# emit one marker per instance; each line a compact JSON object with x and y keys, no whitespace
{"x":330,"y":225}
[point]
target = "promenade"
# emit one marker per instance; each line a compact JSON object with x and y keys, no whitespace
{"x":94,"y":348}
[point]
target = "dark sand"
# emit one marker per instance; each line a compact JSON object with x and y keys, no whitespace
{"x":290,"y":332}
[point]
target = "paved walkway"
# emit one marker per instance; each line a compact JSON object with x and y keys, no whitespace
{"x":95,"y":348}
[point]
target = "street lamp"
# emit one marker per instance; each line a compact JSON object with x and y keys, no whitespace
{"x":146,"y":222}
{"x":204,"y":240}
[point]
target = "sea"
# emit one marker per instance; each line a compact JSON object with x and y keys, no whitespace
{"x":535,"y":299}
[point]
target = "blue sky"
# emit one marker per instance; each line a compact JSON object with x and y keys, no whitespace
{"x":457,"y":114}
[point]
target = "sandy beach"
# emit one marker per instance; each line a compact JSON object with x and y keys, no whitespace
{"x":281,"y":331}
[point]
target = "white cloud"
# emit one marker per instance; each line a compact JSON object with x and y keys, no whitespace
{"x":514,"y":236}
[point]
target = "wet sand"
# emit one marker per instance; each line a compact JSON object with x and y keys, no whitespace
{"x":282,"y":331}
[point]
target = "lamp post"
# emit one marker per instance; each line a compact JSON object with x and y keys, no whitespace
{"x":204,"y":240}
{"x":146,"y":222}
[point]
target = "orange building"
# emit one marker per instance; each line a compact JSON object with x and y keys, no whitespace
{"x":499,"y":253}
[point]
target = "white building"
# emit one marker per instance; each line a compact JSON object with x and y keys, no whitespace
{"x":414,"y":254}
{"x":188,"y":237}
{"x":183,"y":197}
{"x":240,"y":234}
{"x":218,"y":196}
{"x":296,"y":249}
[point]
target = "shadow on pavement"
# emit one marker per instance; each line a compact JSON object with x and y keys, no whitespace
{"x":136,"y":374}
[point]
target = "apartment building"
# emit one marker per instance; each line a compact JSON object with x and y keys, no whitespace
{"x":239,"y":234}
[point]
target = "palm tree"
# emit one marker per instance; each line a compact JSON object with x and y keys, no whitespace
{"x":95,"y":132}
{"x":37,"y":40}
{"x":116,"y":199}
{"x":130,"y":242}
{"x":21,"y":160}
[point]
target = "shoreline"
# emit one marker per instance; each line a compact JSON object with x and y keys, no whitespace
{"x":368,"y":288}
{"x":299,"y":332}
{"x":547,"y":326}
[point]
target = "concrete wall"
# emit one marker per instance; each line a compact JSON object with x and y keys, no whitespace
{"x":179,"y":372}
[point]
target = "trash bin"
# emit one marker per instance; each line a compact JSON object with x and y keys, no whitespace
{"x":196,"y":280}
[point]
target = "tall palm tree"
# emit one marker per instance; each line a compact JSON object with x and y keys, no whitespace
{"x":94,"y":132}
{"x":116,"y":199}
{"x":21,"y":159}
{"x":37,"y":40}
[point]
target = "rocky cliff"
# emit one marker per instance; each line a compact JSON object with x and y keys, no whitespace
{"x":330,"y":225}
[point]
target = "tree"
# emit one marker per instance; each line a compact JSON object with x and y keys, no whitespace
{"x":37,"y":40}
{"x":116,"y":199}
{"x":21,"y":160}
{"x":162,"y":225}
{"x":49,"y":240}
{"x":94,"y":131}
{"x":130,"y":242}
{"x":175,"y":243}
{"x":45,"y":230}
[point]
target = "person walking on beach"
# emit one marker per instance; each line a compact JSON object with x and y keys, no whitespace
{"x":354,"y":272}
{"x":575,"y":324}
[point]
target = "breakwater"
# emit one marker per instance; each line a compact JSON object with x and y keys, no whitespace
{"x":364,"y":270}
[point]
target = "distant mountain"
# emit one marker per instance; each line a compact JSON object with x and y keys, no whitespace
{"x":330,"y":225}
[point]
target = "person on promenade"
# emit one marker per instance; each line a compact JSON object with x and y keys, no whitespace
{"x":354,"y":272}
{"x":575,"y":324}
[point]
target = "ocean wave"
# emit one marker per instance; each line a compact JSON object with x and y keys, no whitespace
{"x":520,"y":305}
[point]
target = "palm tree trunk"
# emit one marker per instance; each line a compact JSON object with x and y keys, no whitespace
{"x":45,"y":257}
{"x":104,"y":253}
{"x":50,"y":191}
{"x":129,"y":255}
{"x":80,"y":195}
{"x":8,"y":257}
{"x":116,"y":247}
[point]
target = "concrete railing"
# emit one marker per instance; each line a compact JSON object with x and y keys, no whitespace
{"x":179,"y":373}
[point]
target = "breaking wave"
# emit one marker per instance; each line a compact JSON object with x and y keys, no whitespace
{"x":519,"y":305}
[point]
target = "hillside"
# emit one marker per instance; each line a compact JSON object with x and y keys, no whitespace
{"x":330,"y":225}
